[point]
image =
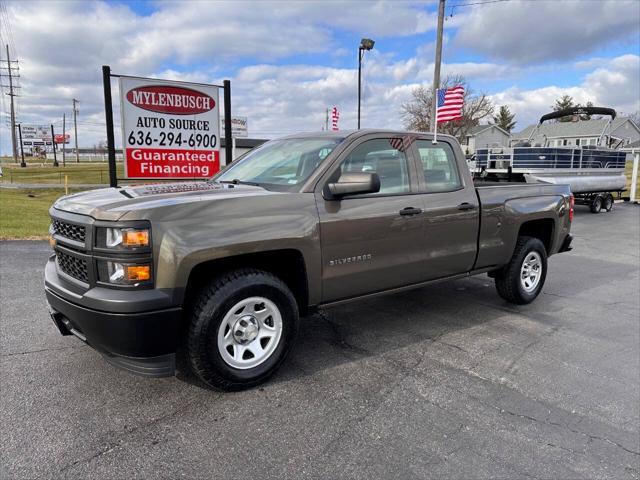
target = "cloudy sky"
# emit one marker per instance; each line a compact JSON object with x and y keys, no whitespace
{"x":288,"y":61}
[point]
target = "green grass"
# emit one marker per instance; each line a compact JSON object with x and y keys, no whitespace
{"x":24,"y":214}
{"x":83,"y":173}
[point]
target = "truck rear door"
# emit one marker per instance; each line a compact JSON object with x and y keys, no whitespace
{"x":451,"y":208}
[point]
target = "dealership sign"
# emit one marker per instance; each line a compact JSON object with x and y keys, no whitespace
{"x":169,"y":129}
{"x":36,"y":132}
{"x":238,"y":127}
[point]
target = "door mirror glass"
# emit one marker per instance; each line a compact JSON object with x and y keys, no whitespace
{"x":352,"y":183}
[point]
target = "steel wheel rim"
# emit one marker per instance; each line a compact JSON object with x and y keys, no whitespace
{"x":531,"y":271}
{"x":249,"y":333}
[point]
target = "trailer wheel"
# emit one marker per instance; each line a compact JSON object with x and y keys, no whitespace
{"x":608,"y":203}
{"x":596,"y":204}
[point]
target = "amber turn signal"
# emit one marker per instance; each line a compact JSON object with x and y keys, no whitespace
{"x":137,"y":273}
{"x":135,"y":238}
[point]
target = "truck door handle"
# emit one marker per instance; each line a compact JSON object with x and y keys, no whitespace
{"x":410,"y":211}
{"x":466,"y":206}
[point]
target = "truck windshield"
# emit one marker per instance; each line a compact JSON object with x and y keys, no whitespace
{"x":280,"y":164}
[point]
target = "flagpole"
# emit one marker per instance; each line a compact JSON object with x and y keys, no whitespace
{"x":435,"y":122}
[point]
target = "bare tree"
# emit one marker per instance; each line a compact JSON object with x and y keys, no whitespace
{"x":416,"y":114}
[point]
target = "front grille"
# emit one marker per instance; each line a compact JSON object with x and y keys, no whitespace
{"x":73,"y":266}
{"x":69,"y":230}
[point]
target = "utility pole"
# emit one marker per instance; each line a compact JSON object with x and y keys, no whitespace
{"x":13,"y":112}
{"x":64,"y":139}
{"x":436,"y":67}
{"x":75,"y":128}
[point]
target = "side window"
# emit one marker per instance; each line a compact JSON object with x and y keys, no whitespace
{"x":439,"y":166}
{"x":380,"y":156}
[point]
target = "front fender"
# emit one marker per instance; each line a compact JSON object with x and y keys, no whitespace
{"x":229,"y":229}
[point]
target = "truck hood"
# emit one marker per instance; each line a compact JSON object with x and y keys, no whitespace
{"x":113,"y":203}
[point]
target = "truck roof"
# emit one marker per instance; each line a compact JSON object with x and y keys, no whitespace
{"x":359,"y":133}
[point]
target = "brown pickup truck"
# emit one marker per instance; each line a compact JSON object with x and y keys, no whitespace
{"x":217,"y":273}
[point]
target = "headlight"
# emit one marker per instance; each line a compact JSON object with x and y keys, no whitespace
{"x":119,"y":273}
{"x":123,"y":238}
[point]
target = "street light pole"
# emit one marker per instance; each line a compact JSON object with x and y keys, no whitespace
{"x":365,"y":44}
{"x":360,"y":52}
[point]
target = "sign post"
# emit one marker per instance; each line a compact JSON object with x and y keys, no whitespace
{"x":53,"y":147}
{"x":228,"y":153}
{"x":22,"y":162}
{"x":108,"y":111}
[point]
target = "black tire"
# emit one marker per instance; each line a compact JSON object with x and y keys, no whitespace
{"x":206,"y":313}
{"x":508,"y":281}
{"x":607,"y":205}
{"x":596,"y":204}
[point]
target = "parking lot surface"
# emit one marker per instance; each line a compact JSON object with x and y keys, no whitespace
{"x":444,"y":381}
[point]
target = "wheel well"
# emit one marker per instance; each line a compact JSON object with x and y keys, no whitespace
{"x":541,"y":229}
{"x":288,"y":265}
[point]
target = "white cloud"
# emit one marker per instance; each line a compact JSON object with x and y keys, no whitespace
{"x":534,"y":31}
{"x":63,"y":45}
{"x":615,"y":84}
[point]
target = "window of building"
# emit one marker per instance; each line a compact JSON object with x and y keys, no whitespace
{"x":439,"y":166}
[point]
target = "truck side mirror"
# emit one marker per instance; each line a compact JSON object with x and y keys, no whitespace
{"x":353,"y":183}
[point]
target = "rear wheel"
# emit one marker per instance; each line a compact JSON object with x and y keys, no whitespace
{"x":596,"y":204}
{"x":521,"y":281}
{"x":242,"y":326}
{"x":608,"y":203}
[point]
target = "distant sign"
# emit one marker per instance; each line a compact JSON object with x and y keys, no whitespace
{"x":36,"y":132}
{"x":169,"y":129}
{"x":59,"y":138}
{"x":238,"y":127}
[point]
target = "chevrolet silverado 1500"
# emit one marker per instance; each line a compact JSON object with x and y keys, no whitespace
{"x":218,"y":272}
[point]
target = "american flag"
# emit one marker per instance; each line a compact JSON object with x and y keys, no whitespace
{"x":450,"y":103}
{"x":335,"y":116}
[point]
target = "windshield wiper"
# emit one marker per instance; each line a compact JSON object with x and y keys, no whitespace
{"x":237,"y":181}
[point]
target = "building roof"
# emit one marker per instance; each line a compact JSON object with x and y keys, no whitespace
{"x":570,"y":129}
{"x":476,"y":129}
{"x":635,"y":144}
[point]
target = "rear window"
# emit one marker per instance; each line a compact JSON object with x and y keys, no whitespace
{"x":439,"y":166}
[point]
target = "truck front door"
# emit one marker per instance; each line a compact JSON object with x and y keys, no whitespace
{"x":372,"y":242}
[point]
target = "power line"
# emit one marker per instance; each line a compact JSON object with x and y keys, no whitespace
{"x":482,"y":2}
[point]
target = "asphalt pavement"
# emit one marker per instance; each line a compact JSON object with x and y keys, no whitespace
{"x":447,"y":381}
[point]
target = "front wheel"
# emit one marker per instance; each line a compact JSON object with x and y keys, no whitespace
{"x":242,"y":325}
{"x":521,"y":280}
